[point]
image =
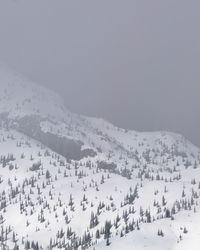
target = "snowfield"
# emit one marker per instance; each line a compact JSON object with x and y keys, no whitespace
{"x":147,"y":238}
{"x":73,"y":182}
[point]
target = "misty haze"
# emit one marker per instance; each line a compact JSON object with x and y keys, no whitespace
{"x":99,"y":125}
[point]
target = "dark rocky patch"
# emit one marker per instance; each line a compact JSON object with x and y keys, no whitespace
{"x":30,"y":126}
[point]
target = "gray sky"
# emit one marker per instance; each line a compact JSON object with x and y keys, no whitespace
{"x":134,"y":63}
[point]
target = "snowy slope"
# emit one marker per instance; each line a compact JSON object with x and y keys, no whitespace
{"x":38,"y":205}
{"x":174,"y":237}
{"x":72,"y":182}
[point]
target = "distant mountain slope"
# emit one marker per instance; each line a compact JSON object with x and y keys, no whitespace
{"x":72,"y":182}
{"x":20,"y":97}
{"x":40,"y":113}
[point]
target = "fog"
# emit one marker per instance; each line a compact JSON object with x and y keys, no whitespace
{"x":134,"y":63}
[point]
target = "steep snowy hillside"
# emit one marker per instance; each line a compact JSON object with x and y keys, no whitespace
{"x":72,"y":182}
{"x":48,"y":203}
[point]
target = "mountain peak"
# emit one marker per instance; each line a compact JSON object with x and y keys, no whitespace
{"x":20,"y":97}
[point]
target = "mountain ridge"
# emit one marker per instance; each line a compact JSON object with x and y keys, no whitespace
{"x":73,"y":182}
{"x":29,"y":99}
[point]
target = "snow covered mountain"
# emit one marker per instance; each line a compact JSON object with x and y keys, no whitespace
{"x":72,"y":182}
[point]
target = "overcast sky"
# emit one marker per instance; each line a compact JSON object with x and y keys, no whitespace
{"x":134,"y":63}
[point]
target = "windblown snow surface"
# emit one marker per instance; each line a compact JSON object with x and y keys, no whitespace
{"x":72,"y":182}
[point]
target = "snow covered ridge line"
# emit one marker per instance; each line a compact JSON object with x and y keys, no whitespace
{"x":75,"y":143}
{"x":20,"y":98}
{"x":39,"y":113}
